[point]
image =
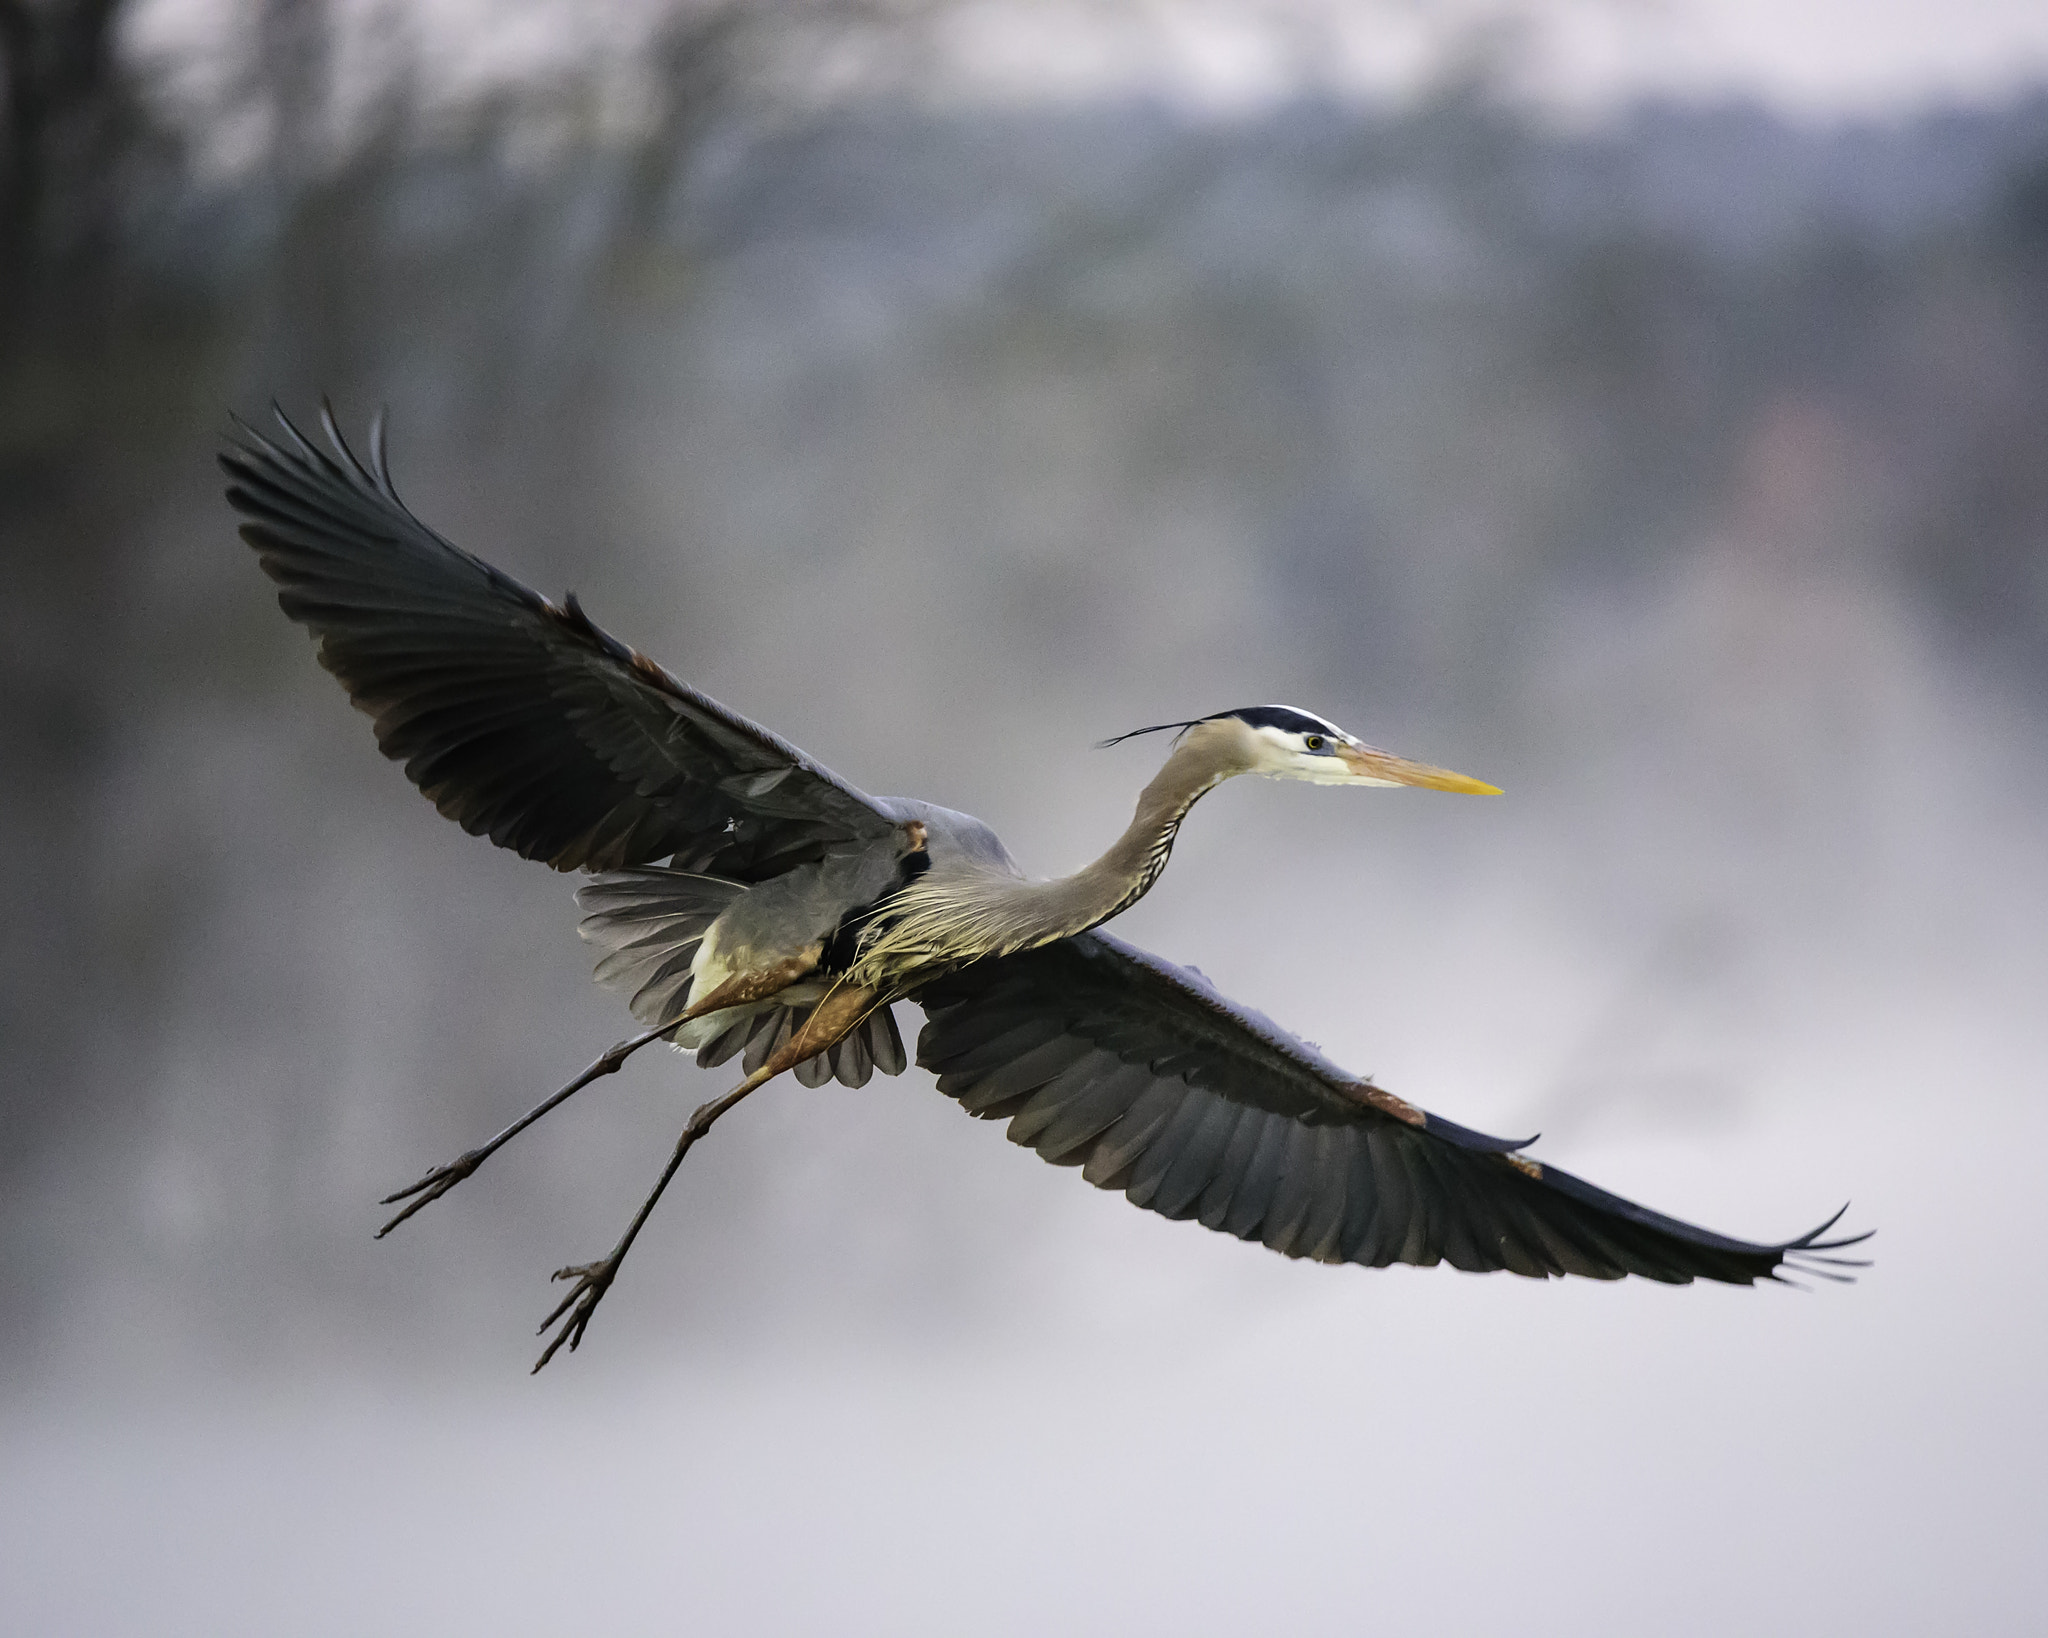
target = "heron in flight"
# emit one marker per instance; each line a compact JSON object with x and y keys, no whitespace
{"x":749,"y":902}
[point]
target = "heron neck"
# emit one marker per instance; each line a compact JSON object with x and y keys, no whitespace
{"x":954,"y":915}
{"x":1123,"y":875}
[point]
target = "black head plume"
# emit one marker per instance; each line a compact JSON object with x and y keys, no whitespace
{"x":1257,"y":716}
{"x":1156,"y":728}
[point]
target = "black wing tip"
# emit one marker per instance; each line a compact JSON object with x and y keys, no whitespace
{"x":380,"y":460}
{"x":250,"y":452}
{"x":1464,"y":1137}
{"x":330,"y":425}
{"x":1811,"y":1240}
{"x":245,"y":439}
{"x":1807,"y":1256}
{"x":247,"y":443}
{"x":570,"y":614}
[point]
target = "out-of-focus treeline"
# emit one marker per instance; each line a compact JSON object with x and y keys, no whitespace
{"x":1374,"y":384}
{"x":146,"y":292}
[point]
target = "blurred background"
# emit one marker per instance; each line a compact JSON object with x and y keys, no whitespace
{"x":1642,"y":406}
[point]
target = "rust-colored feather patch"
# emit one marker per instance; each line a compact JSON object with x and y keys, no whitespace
{"x":1378,"y":1097}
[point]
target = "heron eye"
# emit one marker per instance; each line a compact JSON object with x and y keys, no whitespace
{"x":1313,"y":742}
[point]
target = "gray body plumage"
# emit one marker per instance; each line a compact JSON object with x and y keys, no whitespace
{"x":668,"y":935}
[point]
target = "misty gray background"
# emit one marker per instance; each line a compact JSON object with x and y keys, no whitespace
{"x":1682,"y":472}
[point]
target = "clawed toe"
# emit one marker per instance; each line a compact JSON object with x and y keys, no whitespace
{"x":443,"y":1178}
{"x":592,"y":1281}
{"x":431,"y":1187}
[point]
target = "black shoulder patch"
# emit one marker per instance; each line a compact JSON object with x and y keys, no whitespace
{"x":842,"y":947}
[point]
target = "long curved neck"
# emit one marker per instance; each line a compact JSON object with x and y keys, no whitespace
{"x":950,"y":916}
{"x":1123,"y":875}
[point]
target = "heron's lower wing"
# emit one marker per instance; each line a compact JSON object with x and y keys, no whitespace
{"x":1102,"y":1056}
{"x":648,"y":924}
{"x":763,"y":1029}
{"x":520,"y":718}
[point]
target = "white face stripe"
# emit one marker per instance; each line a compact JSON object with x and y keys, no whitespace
{"x":1282,"y":755}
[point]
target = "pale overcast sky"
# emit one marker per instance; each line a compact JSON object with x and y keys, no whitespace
{"x":1815,"y":58}
{"x":1809,"y":56}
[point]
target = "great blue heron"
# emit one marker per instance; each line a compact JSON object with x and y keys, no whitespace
{"x":792,"y":910}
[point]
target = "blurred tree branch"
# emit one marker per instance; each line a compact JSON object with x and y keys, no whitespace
{"x":68,"y":112}
{"x":398,"y":243}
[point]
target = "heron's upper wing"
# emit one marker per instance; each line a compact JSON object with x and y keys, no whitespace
{"x":519,"y":718}
{"x":1102,"y":1056}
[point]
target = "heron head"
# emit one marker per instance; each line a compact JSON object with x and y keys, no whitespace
{"x":1281,"y":742}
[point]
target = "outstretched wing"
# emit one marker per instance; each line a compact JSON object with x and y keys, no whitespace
{"x":518,"y":717}
{"x":1104,"y":1057}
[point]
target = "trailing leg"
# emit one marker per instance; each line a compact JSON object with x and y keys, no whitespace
{"x":593,"y":1280}
{"x":837,"y":1014}
{"x":443,"y":1178}
{"x":735,"y":991}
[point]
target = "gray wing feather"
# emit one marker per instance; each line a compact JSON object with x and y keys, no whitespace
{"x":885,"y":1043}
{"x":1102,"y":1055}
{"x":1118,"y":1149}
{"x":1151,"y":1167}
{"x":1214,"y":1205}
{"x":1253,"y":1188}
{"x":519,"y":718}
{"x":1042,"y":1108}
{"x":1182,"y":1182}
{"x":1096,"y":1105}
{"x":648,"y":924}
{"x":814,"y":1071}
{"x":1008,"y":1083}
{"x":1294,"y":1190}
{"x":721,"y":1047}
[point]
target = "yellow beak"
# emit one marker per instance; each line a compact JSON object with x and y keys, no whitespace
{"x":1377,"y":767}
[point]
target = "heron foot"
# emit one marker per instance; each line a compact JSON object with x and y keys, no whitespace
{"x":431,"y":1187}
{"x":593,"y":1280}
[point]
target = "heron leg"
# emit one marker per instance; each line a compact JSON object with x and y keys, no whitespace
{"x":837,"y":1014}
{"x":593,"y":1280}
{"x":443,"y":1178}
{"x":741,"y":988}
